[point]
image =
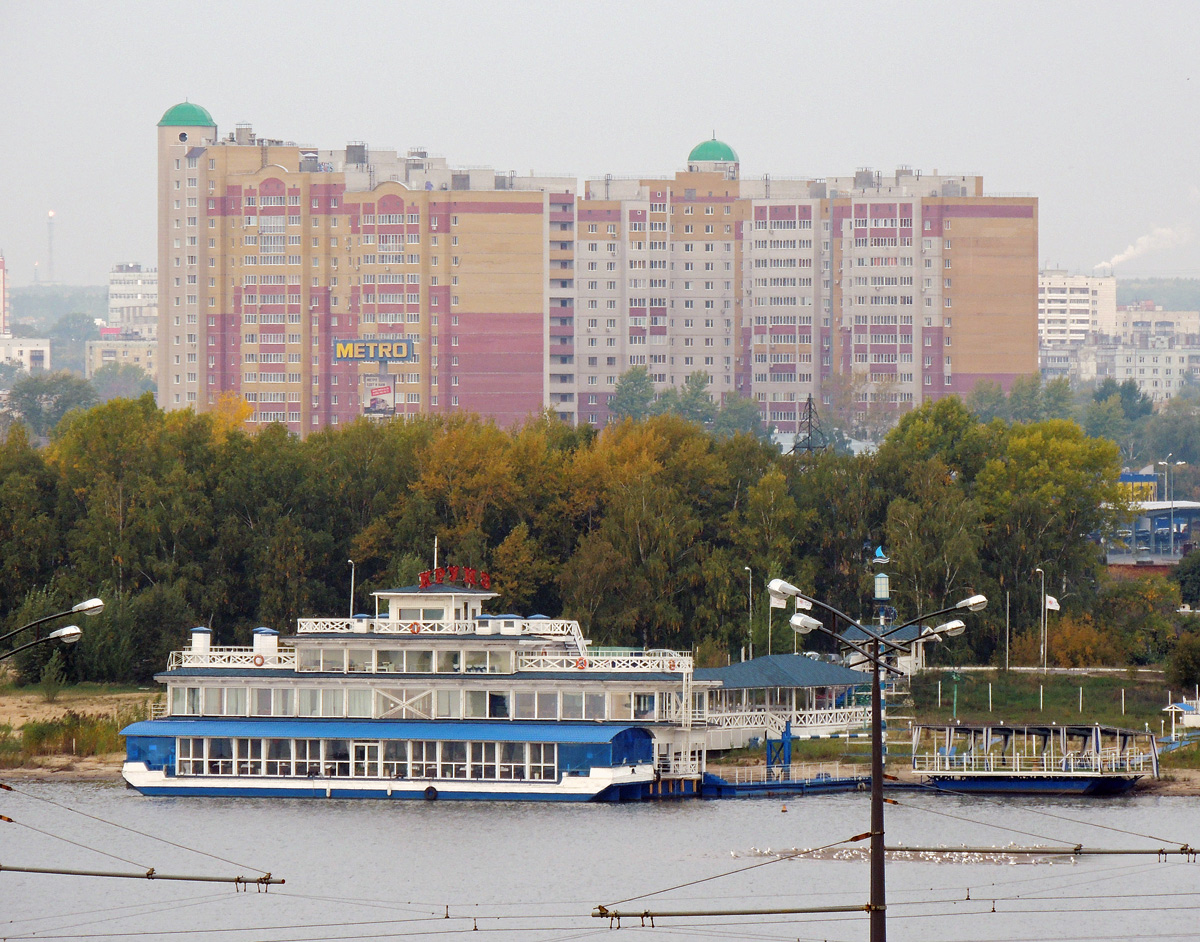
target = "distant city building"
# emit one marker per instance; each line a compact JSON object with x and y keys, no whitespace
{"x":1074,"y":308}
{"x":30,"y":354}
{"x":321,"y":285}
{"x":120,"y":349}
{"x":3,"y":298}
{"x":133,"y":299}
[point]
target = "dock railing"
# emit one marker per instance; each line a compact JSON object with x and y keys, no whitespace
{"x":816,"y":772}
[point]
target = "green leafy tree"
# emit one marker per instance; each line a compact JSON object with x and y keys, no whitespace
{"x":1058,"y":399}
{"x":121,"y":381}
{"x":1183,"y":666}
{"x":67,"y":336}
{"x":53,"y":677}
{"x":987,"y":401}
{"x":41,"y":400}
{"x":1025,"y":403}
{"x":632,"y":395}
{"x":695,"y":401}
{"x":1187,"y":575}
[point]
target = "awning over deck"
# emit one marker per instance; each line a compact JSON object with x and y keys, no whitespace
{"x":782,"y":670}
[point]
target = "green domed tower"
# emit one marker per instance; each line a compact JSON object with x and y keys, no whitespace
{"x":713,"y":155}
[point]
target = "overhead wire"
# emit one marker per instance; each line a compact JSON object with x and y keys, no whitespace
{"x":154,"y":837}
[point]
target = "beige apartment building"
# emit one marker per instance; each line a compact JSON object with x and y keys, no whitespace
{"x":892,"y":291}
{"x":1074,"y":308}
{"x":321,"y":285}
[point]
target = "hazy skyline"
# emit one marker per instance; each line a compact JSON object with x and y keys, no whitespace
{"x":1091,"y":107}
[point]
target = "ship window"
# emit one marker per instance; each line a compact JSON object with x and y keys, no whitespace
{"x":483,"y":760}
{"x":420,"y":708}
{"x":178,"y":700}
{"x":389,"y":661}
{"x":333,"y":660}
{"x":454,"y":760}
{"x":309,"y":659}
{"x":500,"y":662}
{"x":220,"y":757}
{"x":621,"y":706}
{"x":310,"y":701}
{"x":193,"y":700}
{"x":359,"y":659}
{"x":337,"y":756}
{"x":308,"y":757}
{"x":572,"y":705}
{"x":419,"y":662}
{"x":512,"y":760}
{"x":524,"y":702}
{"x":395,"y":759}
{"x":424,"y":759}
{"x":358,"y":702}
{"x":542,"y":762}
{"x":279,"y":757}
{"x":190,"y":756}
{"x":235,"y":701}
{"x":433,"y":614}
{"x":593,"y":706}
{"x":476,"y":704}
{"x":249,"y":757}
{"x":449,"y":704}
{"x":332,"y":703}
{"x":643,"y":706}
{"x":260,"y":701}
{"x":284,"y":701}
{"x":448,"y":661}
{"x":498,"y":705}
{"x":410,"y":614}
{"x":476,"y":662}
{"x":212,"y":701}
{"x":547,"y":706}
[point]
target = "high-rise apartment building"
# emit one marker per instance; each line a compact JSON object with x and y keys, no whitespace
{"x":1074,"y":308}
{"x":133,"y":300}
{"x":321,"y":285}
{"x":884,"y":291}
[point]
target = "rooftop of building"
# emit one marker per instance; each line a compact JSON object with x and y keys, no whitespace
{"x":187,"y":115}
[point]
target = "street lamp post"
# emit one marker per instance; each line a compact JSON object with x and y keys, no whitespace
{"x":68,"y":635}
{"x":351,"y":562}
{"x":750,"y":609}
{"x":805,"y":623}
{"x":1042,"y":617}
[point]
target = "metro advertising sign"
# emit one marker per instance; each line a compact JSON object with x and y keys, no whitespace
{"x":389,"y":351}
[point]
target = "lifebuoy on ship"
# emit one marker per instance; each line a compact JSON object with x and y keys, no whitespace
{"x":259,"y":661}
{"x":581,"y":664}
{"x":671,"y":666}
{"x":414,"y":628}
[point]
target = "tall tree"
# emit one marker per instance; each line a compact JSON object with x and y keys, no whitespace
{"x":633,"y":394}
{"x":41,"y":400}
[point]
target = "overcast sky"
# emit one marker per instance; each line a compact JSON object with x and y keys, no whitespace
{"x":1092,"y":107}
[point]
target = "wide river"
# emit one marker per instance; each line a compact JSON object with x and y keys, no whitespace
{"x":517,"y":871}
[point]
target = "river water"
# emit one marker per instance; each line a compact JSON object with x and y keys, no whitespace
{"x":527,"y":871}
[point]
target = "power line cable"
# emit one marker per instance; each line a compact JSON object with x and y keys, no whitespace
{"x":154,"y":837}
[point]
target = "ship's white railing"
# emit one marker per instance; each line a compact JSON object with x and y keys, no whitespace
{"x":678,"y":766}
{"x":158,"y":711}
{"x":1107,"y":761}
{"x":808,"y":721}
{"x":232,"y":657}
{"x":797,"y":772}
{"x":543,"y":627}
{"x":671,"y":663}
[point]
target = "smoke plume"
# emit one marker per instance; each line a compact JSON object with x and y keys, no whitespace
{"x":1161,"y":238}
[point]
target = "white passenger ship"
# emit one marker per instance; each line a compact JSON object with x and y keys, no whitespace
{"x":432,"y":698}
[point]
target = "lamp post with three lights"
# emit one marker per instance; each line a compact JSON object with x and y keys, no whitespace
{"x":67,"y":635}
{"x":802,"y":623}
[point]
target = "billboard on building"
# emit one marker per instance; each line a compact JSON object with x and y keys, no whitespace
{"x":379,"y":395}
{"x":384,"y":351}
